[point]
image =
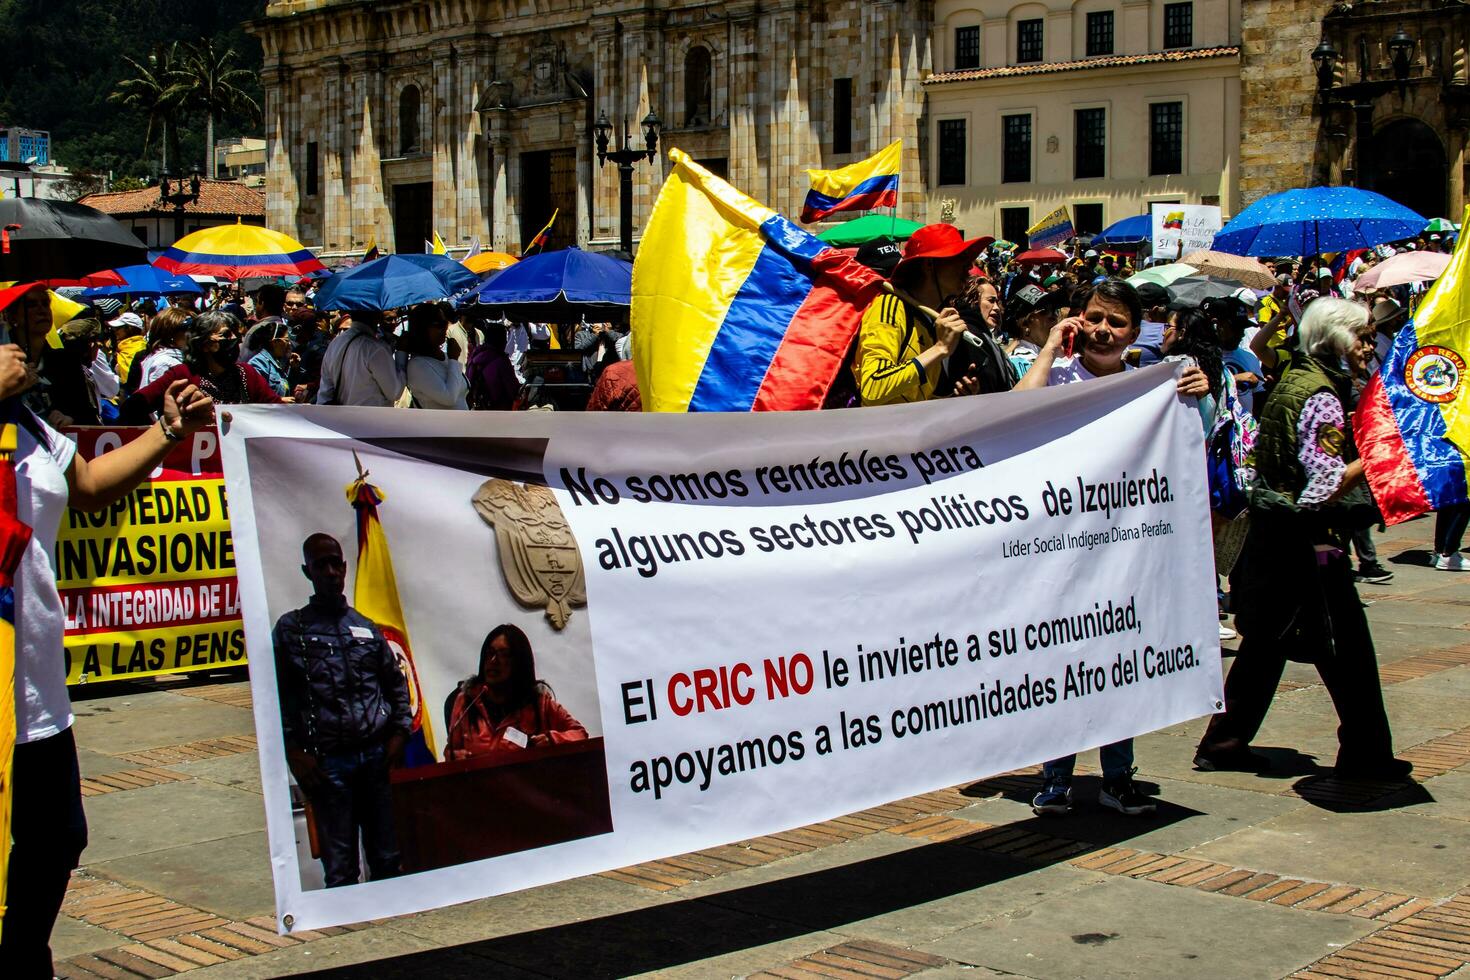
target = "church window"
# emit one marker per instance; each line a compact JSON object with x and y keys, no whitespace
{"x":408,"y":120}
{"x":698,"y":87}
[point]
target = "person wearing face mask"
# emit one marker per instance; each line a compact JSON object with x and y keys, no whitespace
{"x":901,"y":348}
{"x":211,"y":363}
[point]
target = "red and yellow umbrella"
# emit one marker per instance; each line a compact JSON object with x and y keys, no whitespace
{"x":238,"y":251}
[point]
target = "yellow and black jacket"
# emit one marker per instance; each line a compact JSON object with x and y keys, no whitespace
{"x":890,"y":341}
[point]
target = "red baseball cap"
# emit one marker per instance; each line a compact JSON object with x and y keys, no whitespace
{"x":942,"y":242}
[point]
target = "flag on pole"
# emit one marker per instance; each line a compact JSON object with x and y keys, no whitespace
{"x":861,"y":186}
{"x":735,"y":308}
{"x":474,"y":248}
{"x":372,"y":250}
{"x":1051,"y":230}
{"x":1412,"y":424}
{"x":375,"y":595}
{"x":436,"y":247}
{"x":542,"y":236}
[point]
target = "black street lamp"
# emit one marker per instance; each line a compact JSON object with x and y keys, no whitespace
{"x":183,"y":194}
{"x":1401,"y":53}
{"x":1361,"y":94}
{"x":625,"y":158}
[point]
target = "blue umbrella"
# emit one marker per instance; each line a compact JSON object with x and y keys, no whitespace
{"x":560,"y":286}
{"x":145,"y":280}
{"x":395,"y":281}
{"x":1129,"y":231}
{"x":1314,"y":220}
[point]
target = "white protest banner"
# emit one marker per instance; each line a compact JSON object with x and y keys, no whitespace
{"x":745,"y":623}
{"x":1193,"y":224}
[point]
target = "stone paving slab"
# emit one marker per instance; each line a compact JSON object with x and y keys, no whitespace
{"x":203,"y":875}
{"x":1391,"y":850}
{"x":1126,"y":928}
{"x":156,"y":818}
{"x":142,"y":720}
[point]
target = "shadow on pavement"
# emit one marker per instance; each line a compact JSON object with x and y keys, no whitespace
{"x":1355,"y":796}
{"x":686,"y":931}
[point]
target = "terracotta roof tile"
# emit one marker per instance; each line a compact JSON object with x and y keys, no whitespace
{"x":1112,"y":61}
{"x":216,"y":197}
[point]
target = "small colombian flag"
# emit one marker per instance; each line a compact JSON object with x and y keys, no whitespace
{"x":542,"y":236}
{"x":862,"y":186}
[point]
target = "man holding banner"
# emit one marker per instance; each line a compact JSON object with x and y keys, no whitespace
{"x":345,"y":718}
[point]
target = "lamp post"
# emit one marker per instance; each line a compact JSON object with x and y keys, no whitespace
{"x":182,"y":194}
{"x":625,"y":158}
{"x":1361,"y":94}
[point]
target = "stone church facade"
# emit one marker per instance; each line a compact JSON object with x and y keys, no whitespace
{"x":387,"y":121}
{"x":1299,"y":131}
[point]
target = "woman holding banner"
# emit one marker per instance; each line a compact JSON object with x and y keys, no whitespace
{"x":48,"y":826}
{"x":503,"y":708}
{"x":1112,"y":315}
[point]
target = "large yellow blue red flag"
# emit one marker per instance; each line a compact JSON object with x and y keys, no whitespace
{"x":735,"y":308}
{"x":861,"y":186}
{"x":375,"y":595}
{"x":1412,"y":424}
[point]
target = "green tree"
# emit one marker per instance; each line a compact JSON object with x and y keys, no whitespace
{"x":207,"y":80}
{"x":154,"y":89}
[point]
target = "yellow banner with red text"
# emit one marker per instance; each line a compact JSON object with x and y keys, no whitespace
{"x":148,"y":584}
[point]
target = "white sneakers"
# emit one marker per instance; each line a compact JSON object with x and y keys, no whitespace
{"x":1451,"y":563}
{"x":1226,"y":633}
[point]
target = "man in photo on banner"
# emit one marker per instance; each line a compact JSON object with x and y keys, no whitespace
{"x":345,"y":718}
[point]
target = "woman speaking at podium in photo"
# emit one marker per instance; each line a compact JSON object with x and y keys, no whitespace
{"x":504,"y":709}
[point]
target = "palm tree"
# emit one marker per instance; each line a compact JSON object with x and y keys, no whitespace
{"x":152,"y":90}
{"x":206,"y":81}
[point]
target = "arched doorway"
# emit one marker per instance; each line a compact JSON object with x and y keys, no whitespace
{"x":1409,"y":166}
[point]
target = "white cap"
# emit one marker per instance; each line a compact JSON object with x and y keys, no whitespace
{"x":131,"y":320}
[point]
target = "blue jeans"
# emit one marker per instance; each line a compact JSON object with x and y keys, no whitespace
{"x":354,"y":798}
{"x":1117,"y":761}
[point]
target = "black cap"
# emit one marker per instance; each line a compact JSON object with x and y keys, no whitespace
{"x":1030,"y":298}
{"x":1151,"y":294}
{"x":881,"y":255}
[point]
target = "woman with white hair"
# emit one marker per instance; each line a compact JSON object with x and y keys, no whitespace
{"x":1292,"y":587}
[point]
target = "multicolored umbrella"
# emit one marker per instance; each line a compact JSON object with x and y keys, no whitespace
{"x":1441,"y":226}
{"x":238,"y":251}
{"x":484,"y":262}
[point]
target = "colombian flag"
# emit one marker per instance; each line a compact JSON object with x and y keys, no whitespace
{"x":862,"y":186}
{"x":375,"y":595}
{"x":1412,"y":424}
{"x":734,"y":307}
{"x":1051,"y":230}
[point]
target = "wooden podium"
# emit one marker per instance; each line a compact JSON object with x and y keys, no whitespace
{"x":455,"y":812}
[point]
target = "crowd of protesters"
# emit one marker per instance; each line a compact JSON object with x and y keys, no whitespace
{"x":1274,"y":373}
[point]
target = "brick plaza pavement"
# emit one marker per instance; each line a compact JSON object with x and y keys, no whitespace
{"x":1291,"y":874}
